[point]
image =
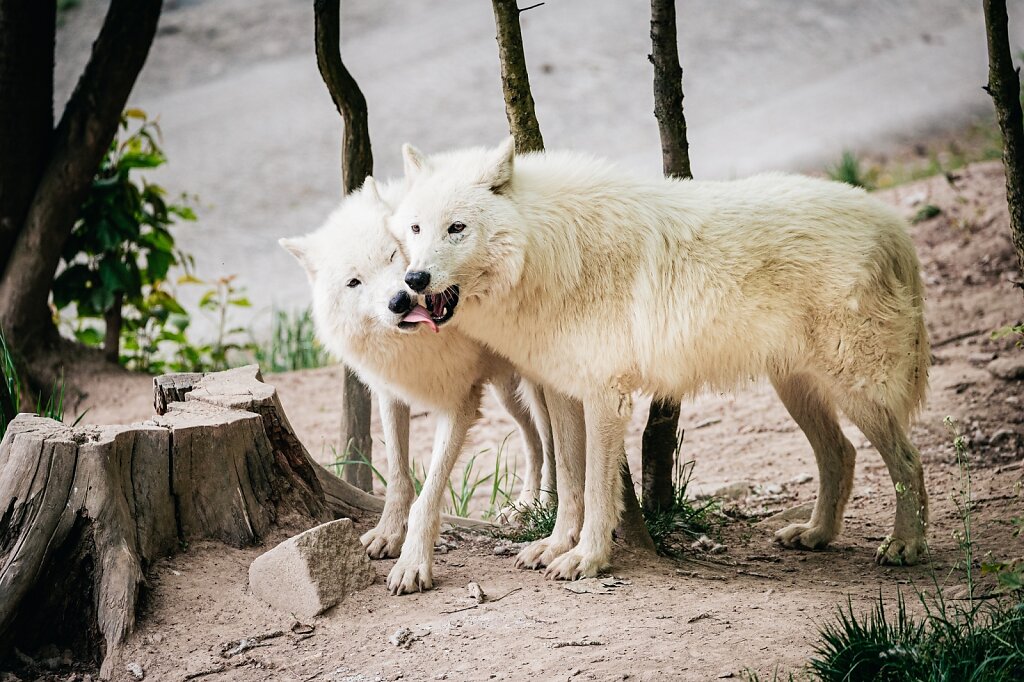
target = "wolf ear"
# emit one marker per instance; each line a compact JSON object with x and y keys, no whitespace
{"x":415,"y":161}
{"x":299,"y":247}
{"x":499,"y":166}
{"x":373,"y":191}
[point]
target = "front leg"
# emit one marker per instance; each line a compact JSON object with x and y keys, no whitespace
{"x":413,"y":571}
{"x":607,"y":416}
{"x":385,"y":540}
{"x":570,"y":463}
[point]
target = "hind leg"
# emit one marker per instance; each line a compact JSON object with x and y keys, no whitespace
{"x":907,"y":544}
{"x":535,"y":398}
{"x":504,"y":389}
{"x":834,"y":453}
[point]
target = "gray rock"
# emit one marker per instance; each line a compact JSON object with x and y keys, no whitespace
{"x":1008,"y":367}
{"x":311,"y":572}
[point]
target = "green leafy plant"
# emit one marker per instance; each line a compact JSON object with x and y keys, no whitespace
{"x":1014,"y":331}
{"x":117,"y":258}
{"x":532,"y":522}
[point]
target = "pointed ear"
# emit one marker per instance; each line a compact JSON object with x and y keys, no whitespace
{"x":415,"y":161}
{"x":299,"y":247}
{"x":499,"y":166}
{"x":372,"y":190}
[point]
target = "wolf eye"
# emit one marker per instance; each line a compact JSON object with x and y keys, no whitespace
{"x":415,"y":229}
{"x":455,"y":228}
{"x":353,"y":283}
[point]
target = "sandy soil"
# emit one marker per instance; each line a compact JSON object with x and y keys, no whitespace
{"x":697,"y":618}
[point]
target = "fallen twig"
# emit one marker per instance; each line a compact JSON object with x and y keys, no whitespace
{"x":219,"y":668}
{"x":957,"y":337}
{"x":489,"y":601}
{"x":236,"y":647}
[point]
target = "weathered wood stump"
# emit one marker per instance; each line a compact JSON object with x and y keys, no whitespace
{"x":84,"y":511}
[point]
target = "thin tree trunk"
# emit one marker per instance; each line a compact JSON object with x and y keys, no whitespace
{"x":85,"y":130}
{"x":525,"y":129}
{"x":515,"y":80}
{"x":1004,"y":87}
{"x":356,"y":165}
{"x":660,"y":439}
{"x":112,"y":332}
{"x":26,"y":117}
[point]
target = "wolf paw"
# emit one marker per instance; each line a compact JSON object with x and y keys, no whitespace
{"x":895,"y":551}
{"x":407,"y":577}
{"x":575,"y":564}
{"x":804,"y":536}
{"x":383,"y":542}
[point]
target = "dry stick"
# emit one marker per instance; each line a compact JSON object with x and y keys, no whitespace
{"x":525,"y":128}
{"x":489,"y":601}
{"x":356,"y":165}
{"x":662,"y":439}
{"x":1004,"y":87}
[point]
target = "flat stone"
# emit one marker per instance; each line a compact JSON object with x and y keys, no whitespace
{"x":801,"y":512}
{"x":307,"y":574}
{"x":1008,"y":367}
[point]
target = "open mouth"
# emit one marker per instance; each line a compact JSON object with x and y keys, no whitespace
{"x":437,"y":309}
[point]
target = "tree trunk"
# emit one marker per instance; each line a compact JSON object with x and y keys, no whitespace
{"x":660,"y":439}
{"x":1004,"y":87}
{"x":515,"y":80}
{"x":525,"y":129}
{"x":112,"y":331}
{"x":84,"y":511}
{"x":26,"y":117}
{"x":356,"y":165}
{"x":82,"y":137}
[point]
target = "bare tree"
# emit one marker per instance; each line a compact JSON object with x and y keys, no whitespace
{"x":1004,"y":87}
{"x":356,"y":165}
{"x":525,"y":128}
{"x":661,"y":435}
{"x":46,"y":172}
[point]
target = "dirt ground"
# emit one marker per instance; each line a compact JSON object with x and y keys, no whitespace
{"x":754,"y":607}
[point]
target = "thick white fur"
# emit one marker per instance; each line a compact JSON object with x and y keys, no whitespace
{"x":602,"y":283}
{"x":445,"y":372}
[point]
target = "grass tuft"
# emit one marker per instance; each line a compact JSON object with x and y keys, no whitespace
{"x":849,"y":170}
{"x":685,"y":516}
{"x":292,"y":344}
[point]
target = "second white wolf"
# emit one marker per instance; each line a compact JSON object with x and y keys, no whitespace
{"x":353,"y":263}
{"x":605,"y":283}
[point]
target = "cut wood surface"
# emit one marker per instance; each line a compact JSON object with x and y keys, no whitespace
{"x":84,"y":511}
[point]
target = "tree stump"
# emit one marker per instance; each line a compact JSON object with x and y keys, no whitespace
{"x":84,"y":511}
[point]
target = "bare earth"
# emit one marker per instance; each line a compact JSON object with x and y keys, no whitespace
{"x":756,"y":606}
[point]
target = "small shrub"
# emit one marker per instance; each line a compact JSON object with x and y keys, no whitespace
{"x":533,"y":522}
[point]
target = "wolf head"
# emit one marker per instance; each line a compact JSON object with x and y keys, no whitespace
{"x":355,"y":267}
{"x":455,"y":220}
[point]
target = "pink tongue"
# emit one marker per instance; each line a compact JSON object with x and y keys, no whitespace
{"x":420,"y":314}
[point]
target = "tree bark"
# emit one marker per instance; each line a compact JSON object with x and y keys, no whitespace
{"x":85,"y":511}
{"x":85,"y":130}
{"x":515,"y":80}
{"x":26,"y":117}
{"x":660,"y":439}
{"x":356,"y":165}
{"x":525,"y":129}
{"x":1004,"y":87}
{"x":112,"y":331}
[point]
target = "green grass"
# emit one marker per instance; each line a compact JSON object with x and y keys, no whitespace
{"x":850,"y":171}
{"x":533,"y":522}
{"x":460,"y":493}
{"x":292,"y":344}
{"x":11,"y":387}
{"x":976,"y":639}
{"x":685,"y":516}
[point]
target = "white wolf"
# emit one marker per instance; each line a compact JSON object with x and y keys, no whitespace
{"x":353,"y":264}
{"x":604,"y":284}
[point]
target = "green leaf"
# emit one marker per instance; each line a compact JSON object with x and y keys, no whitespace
{"x":240,"y":302}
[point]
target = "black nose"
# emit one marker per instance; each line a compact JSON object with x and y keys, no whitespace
{"x":418,"y":280}
{"x":400,"y":303}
